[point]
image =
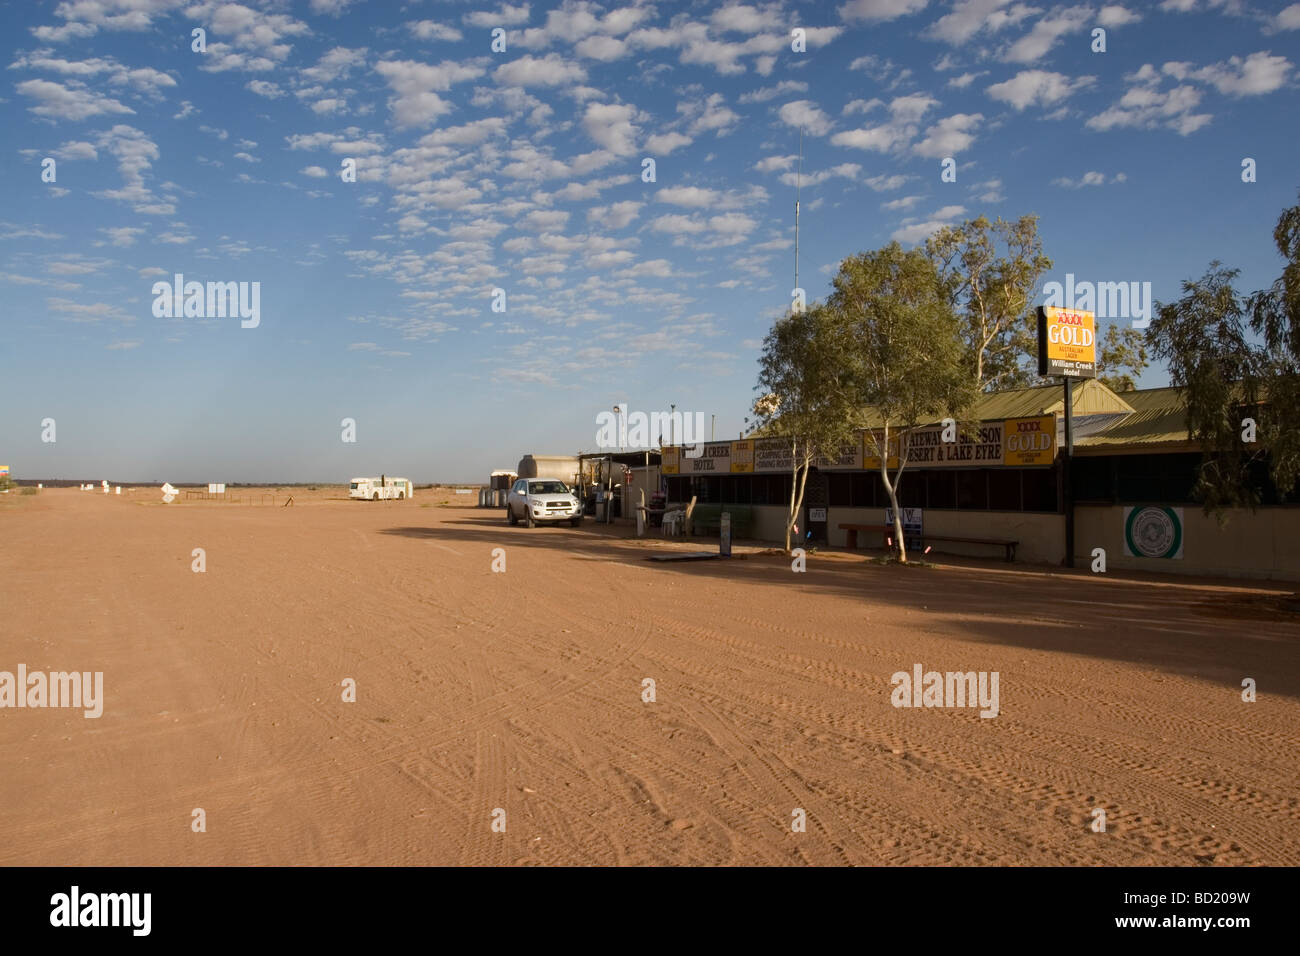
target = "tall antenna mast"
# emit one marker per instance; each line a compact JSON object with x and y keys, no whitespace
{"x":798,"y":181}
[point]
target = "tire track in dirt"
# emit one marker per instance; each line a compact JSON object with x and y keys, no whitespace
{"x":1062,"y":803}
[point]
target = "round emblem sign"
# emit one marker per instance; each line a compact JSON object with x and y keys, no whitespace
{"x":1154,"y":532}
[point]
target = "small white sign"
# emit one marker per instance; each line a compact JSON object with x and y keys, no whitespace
{"x":216,"y":489}
{"x":816,"y":514}
{"x":913,"y":525}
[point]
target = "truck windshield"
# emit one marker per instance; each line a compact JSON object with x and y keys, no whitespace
{"x":547,"y":488}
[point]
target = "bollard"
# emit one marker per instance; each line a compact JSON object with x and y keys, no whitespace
{"x":724,"y":537}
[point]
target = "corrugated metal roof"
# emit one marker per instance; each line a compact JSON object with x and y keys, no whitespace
{"x":1089,"y":397}
{"x":1104,"y":420}
{"x":1158,"y":418}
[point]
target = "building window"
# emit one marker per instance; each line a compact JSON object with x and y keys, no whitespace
{"x":839,"y":490}
{"x":972,"y":490}
{"x":1004,"y":490}
{"x":941,"y":490}
{"x":910,"y":491}
{"x":1040,"y":489}
{"x":771,"y":490}
{"x":863,"y":489}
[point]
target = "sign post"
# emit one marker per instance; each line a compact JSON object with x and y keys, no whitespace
{"x":1067,"y":346}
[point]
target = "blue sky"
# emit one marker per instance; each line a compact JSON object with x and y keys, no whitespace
{"x":521,"y":170}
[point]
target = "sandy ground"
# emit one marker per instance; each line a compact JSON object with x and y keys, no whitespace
{"x":523,"y":691}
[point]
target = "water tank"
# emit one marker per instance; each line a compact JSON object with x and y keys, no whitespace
{"x":560,"y":467}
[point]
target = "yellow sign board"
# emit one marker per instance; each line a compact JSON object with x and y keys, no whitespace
{"x":871,"y":461}
{"x":742,"y":457}
{"x":1067,"y":342}
{"x":670,"y":461}
{"x":1029,"y":441}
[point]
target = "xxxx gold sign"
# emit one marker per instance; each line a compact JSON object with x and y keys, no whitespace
{"x":1067,"y":342}
{"x":742,"y":456}
{"x":870,"y":460}
{"x":1029,"y":441}
{"x":670,"y":460}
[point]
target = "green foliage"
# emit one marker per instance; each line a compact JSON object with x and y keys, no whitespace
{"x":990,"y":272}
{"x":904,"y":358}
{"x":801,"y":372}
{"x":1203,"y":339}
{"x":1238,"y":357}
{"x":1275,"y":318}
{"x":801,"y":369}
{"x":1121,"y":358}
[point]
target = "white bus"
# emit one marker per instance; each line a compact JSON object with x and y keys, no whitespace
{"x":374,"y":489}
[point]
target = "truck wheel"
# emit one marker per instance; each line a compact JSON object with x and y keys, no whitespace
{"x":528,"y":519}
{"x":510,"y":516}
{"x":576,"y":521}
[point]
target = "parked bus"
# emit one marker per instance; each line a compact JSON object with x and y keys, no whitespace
{"x":373,"y":489}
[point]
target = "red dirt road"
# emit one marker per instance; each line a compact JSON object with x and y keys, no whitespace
{"x":522,"y":691}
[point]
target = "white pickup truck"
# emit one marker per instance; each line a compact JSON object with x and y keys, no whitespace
{"x":383,"y":487}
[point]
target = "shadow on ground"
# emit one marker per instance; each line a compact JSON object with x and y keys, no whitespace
{"x":1216,"y":631}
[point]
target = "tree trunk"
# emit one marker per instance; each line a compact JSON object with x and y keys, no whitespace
{"x":898,"y":523}
{"x":794,"y":481}
{"x":798,"y":484}
{"x":892,"y":489}
{"x":804,"y":481}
